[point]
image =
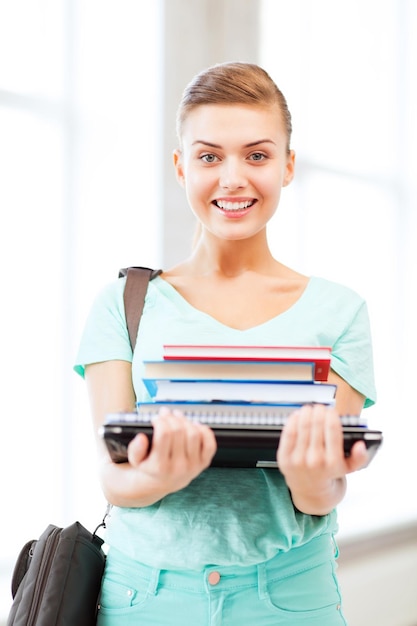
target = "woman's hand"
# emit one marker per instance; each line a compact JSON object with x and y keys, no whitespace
{"x":311,"y":458}
{"x":180,"y":451}
{"x":180,"y":448}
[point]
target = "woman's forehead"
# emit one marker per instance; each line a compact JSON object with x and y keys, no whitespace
{"x":207,"y":122}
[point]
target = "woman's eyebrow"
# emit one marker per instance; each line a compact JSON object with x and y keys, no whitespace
{"x":248,"y":145}
{"x":205,"y":143}
{"x":259,"y":141}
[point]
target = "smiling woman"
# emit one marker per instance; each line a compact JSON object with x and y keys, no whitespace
{"x":230,"y":290}
{"x":72,"y":157}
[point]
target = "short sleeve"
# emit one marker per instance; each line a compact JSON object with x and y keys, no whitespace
{"x":352,"y":355}
{"x":105,"y":336}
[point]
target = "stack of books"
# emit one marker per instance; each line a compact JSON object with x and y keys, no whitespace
{"x":221,"y":382}
{"x":245,"y":393}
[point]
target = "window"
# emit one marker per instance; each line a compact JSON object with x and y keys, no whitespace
{"x":350,"y":86}
{"x":78,"y":126}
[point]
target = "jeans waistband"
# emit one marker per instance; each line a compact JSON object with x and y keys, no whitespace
{"x":220,"y":578}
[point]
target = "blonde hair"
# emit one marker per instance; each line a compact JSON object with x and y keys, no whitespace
{"x":233,"y":83}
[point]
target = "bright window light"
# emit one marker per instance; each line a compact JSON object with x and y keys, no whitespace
{"x":79,"y":104}
{"x":349,"y":215}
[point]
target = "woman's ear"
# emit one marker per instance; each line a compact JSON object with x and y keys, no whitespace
{"x":179,"y":170}
{"x":289,"y":168}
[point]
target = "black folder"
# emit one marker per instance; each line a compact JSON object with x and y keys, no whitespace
{"x":239,"y":445}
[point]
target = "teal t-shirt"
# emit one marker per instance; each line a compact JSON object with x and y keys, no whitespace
{"x":225,"y":516}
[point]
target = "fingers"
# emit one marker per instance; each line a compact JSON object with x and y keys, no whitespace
{"x":175,"y":435}
{"x":312,"y":460}
{"x":358,"y":457}
{"x":137,"y":449}
{"x":312,"y":437}
{"x":177,"y":438}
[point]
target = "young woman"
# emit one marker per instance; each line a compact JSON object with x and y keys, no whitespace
{"x":191,"y":544}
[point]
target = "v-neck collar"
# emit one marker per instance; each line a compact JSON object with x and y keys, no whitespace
{"x":186,"y":308}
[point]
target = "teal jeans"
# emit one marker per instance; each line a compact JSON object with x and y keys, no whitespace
{"x":294,"y":588}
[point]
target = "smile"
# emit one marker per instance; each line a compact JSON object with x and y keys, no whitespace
{"x":233,"y":206}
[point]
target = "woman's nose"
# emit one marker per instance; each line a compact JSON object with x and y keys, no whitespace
{"x":232,"y":175}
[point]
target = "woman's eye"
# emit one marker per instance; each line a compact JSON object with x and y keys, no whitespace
{"x":208,"y":158}
{"x":257,"y":156}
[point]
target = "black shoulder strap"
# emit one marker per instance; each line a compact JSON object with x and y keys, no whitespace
{"x":137,"y":279}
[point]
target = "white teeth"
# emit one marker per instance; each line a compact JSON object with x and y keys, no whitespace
{"x":233,"y":206}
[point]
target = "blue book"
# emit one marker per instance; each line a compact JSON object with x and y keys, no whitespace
{"x":243,"y":390}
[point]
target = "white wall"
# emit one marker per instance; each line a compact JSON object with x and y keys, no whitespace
{"x":378,"y":578}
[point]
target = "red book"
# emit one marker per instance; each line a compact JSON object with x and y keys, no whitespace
{"x":318,"y":355}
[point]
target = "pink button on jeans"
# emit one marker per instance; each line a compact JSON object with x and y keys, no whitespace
{"x":214,"y":578}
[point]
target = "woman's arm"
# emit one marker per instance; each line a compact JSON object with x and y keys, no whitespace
{"x":180,"y":450}
{"x":311,"y":456}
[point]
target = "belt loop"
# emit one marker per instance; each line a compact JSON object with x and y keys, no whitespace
{"x":153,"y":582}
{"x":262,"y":582}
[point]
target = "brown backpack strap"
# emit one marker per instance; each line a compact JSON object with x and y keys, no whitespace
{"x":137,"y":279}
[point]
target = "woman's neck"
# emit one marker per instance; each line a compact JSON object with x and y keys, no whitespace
{"x":231,"y":257}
